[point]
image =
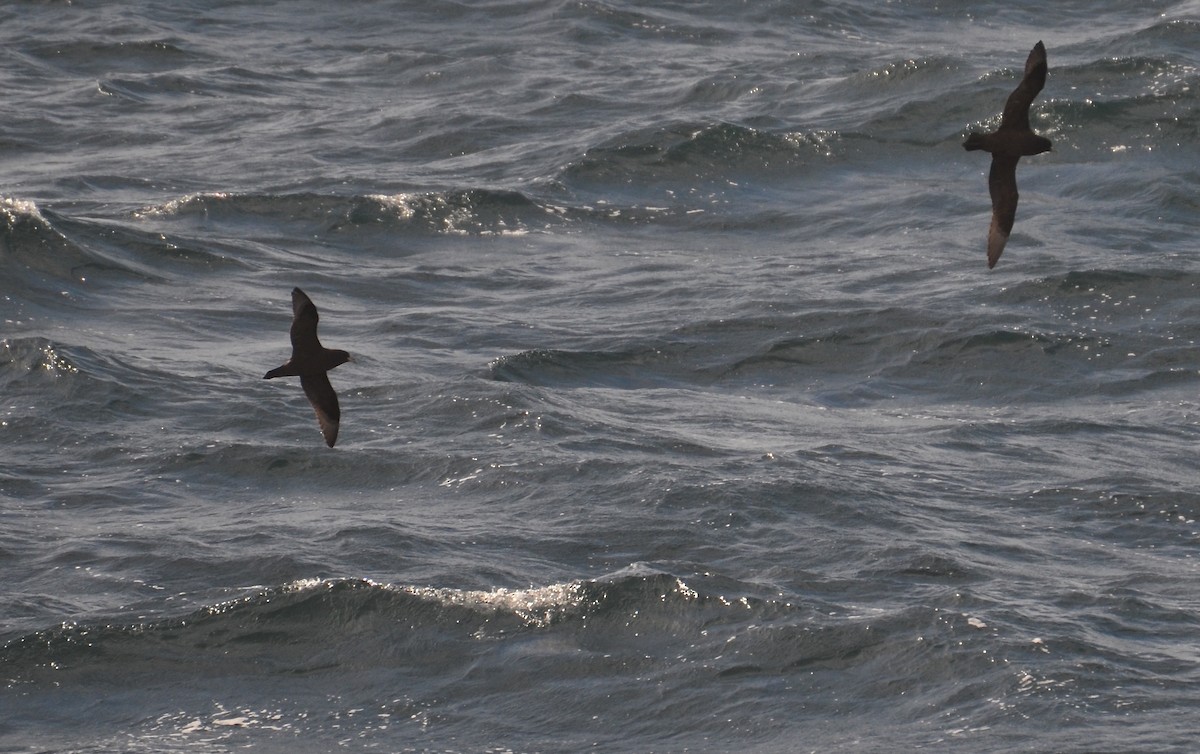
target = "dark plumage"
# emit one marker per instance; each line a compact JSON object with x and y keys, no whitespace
{"x":1010,"y":142}
{"x":310,"y":361}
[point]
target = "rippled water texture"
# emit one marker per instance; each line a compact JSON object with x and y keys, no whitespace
{"x":684,"y":413}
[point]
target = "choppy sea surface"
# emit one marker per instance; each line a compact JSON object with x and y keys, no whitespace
{"x":684,"y":414}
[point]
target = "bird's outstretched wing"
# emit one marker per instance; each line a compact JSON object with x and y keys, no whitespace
{"x":1002,"y":185}
{"x":324,"y":402}
{"x":1016,"y":108}
{"x":304,"y":323}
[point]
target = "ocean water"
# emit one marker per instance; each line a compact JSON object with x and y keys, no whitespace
{"x":684,"y":414}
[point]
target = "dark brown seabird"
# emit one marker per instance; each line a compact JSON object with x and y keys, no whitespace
{"x":1010,"y":142}
{"x":310,"y":361}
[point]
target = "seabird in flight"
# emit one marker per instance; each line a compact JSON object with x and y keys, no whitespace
{"x":310,"y":361}
{"x":1010,"y":142}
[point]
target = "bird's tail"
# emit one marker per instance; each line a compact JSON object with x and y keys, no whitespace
{"x":974,"y":141}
